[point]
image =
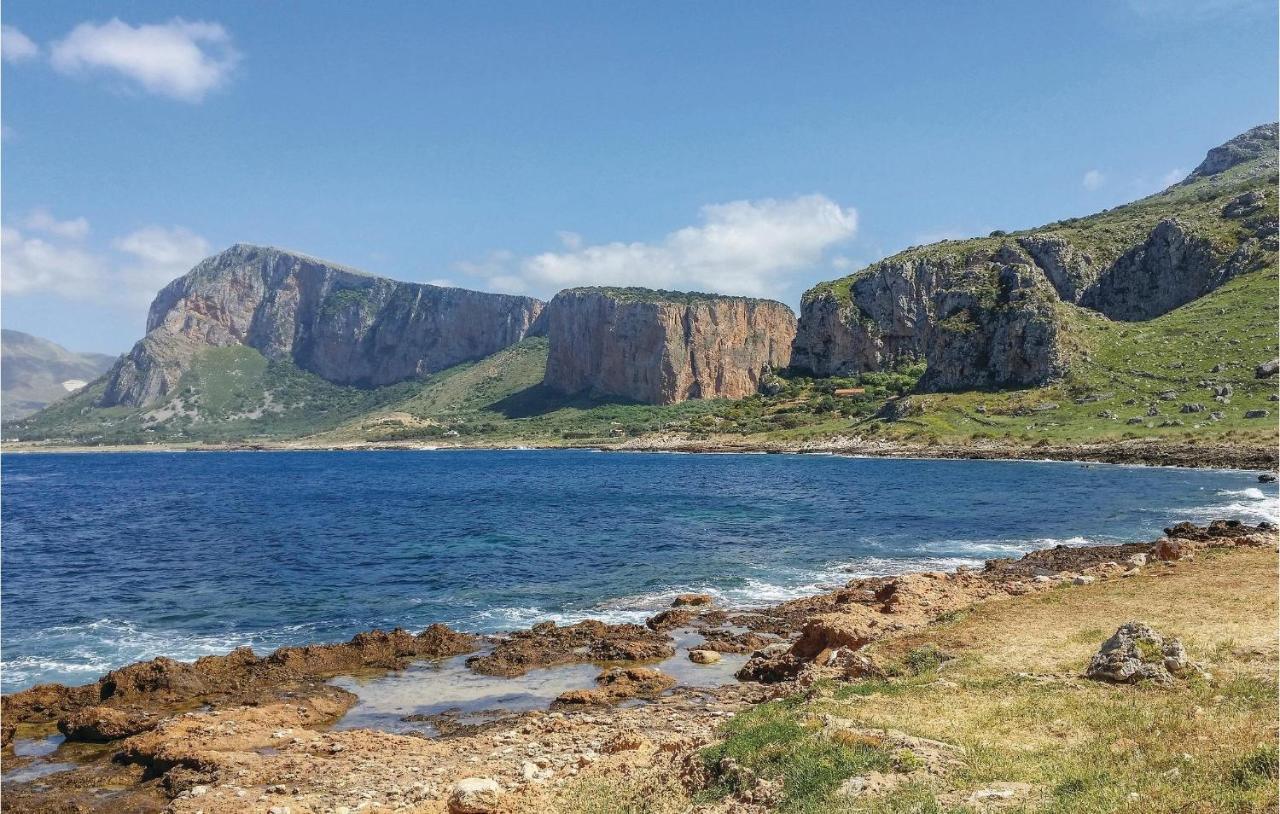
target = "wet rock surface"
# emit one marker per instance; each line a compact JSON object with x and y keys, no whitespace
{"x":547,"y":645}
{"x":265,"y":746}
{"x":166,"y":685}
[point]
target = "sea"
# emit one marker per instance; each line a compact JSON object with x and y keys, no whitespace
{"x":113,"y":558}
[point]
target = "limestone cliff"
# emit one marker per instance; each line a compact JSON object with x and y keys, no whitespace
{"x":344,"y":325}
{"x":988,"y":312}
{"x":661,"y":347}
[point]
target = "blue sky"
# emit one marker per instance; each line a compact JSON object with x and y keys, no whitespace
{"x":751,"y":148}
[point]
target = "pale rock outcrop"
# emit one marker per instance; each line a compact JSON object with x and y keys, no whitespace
{"x":1136,"y":653}
{"x":346,"y":326}
{"x":981,"y":313}
{"x":1256,"y":143}
{"x":662,"y":347}
{"x":979,"y":321}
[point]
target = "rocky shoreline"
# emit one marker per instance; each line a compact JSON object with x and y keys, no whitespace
{"x":1136,"y":452}
{"x":242,"y":732}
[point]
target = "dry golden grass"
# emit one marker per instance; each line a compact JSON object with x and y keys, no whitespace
{"x":1014,"y":699}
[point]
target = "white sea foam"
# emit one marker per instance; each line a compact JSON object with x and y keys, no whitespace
{"x":86,"y":651}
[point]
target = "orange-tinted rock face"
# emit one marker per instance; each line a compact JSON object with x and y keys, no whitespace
{"x":662,"y":347}
{"x":343,"y":325}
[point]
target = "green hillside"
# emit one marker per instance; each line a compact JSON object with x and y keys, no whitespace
{"x":1186,"y":376}
{"x":1123,"y":370}
{"x":1106,"y":235}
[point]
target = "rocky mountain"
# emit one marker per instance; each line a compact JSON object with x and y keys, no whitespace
{"x":663,"y":347}
{"x":990,"y":312}
{"x":35,"y":372}
{"x":343,"y":325}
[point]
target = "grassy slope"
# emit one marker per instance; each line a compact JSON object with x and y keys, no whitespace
{"x":1106,"y":235}
{"x":500,"y":399}
{"x":230,"y":393}
{"x":1014,"y":701}
{"x":235,"y":394}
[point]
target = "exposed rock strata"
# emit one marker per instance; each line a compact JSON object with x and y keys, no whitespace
{"x":346,"y":326}
{"x":661,"y":347}
{"x":985,"y":313}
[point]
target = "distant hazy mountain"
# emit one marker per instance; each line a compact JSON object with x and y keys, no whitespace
{"x":35,"y":372}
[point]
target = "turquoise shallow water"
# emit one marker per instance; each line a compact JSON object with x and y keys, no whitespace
{"x":110,"y":558}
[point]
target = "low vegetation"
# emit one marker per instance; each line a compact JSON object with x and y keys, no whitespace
{"x":1000,"y":688}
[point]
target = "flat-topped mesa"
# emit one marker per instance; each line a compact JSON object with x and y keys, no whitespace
{"x":344,"y":325}
{"x":989,"y":312}
{"x":662,"y":347}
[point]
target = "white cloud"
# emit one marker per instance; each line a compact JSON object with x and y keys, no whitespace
{"x":58,"y":265}
{"x":1093,"y":179}
{"x":31,"y":265}
{"x":1172,"y":177}
{"x":16,"y":46}
{"x":41,"y":221}
{"x":443,"y":282}
{"x":570,"y":240}
{"x":157,"y":256}
{"x":742,"y":247}
{"x":181,"y":59}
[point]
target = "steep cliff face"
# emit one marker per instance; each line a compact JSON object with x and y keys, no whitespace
{"x":346,"y":326}
{"x":1002,"y":329}
{"x":1172,"y":267}
{"x":986,"y":312}
{"x":982,"y":320}
{"x":662,"y":347}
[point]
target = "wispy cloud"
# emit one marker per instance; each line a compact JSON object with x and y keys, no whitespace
{"x":741,"y":247}
{"x":179,"y":59}
{"x":40,"y":220}
{"x":47,"y":256}
{"x":1172,"y":177}
{"x":1093,"y":179}
{"x":16,"y":46}
{"x":156,"y":255}
{"x":34,"y":265}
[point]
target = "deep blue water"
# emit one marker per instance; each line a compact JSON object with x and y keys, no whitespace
{"x":109,"y":558}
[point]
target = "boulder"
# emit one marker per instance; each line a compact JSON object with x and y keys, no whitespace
{"x":1170,"y":550}
{"x":668,"y":619}
{"x":1136,"y":653}
{"x":1267,"y":369}
{"x":102,"y":724}
{"x":1245,"y":204}
{"x":704,"y":656}
{"x":1257,"y":413}
{"x":475,"y":795}
{"x":684,"y":600}
{"x":617,"y":685}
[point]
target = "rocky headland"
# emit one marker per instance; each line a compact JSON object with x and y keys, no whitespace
{"x":995,"y":312}
{"x":663,"y":347}
{"x":247,"y":733}
{"x":346,"y":326}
